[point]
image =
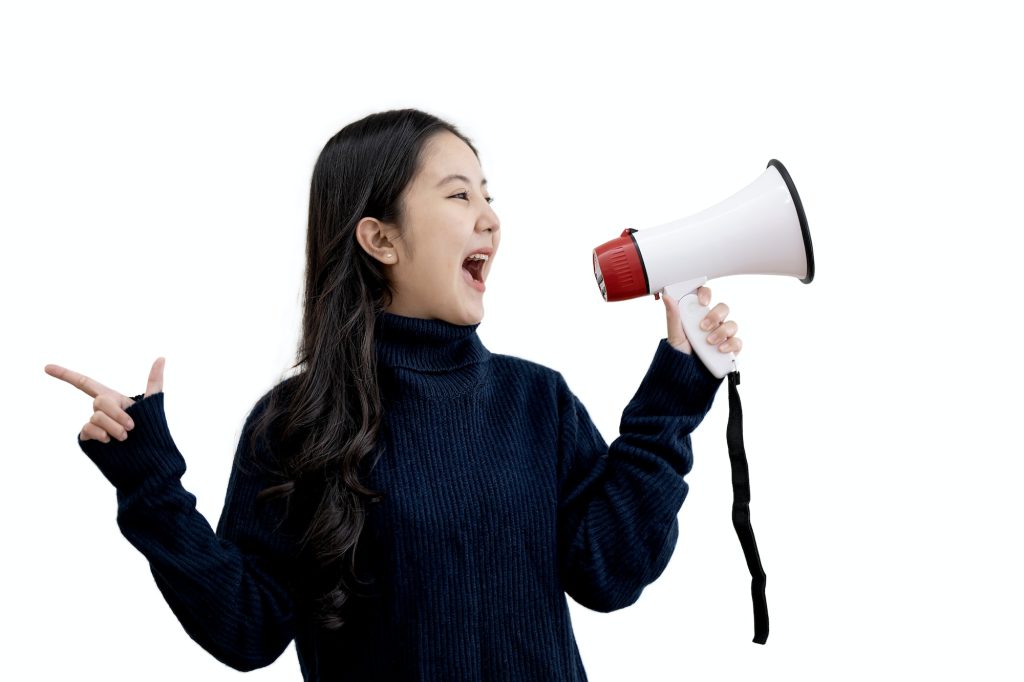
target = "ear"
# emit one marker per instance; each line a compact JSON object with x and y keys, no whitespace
{"x":372,"y":235}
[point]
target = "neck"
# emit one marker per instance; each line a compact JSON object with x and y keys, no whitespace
{"x":429,"y":357}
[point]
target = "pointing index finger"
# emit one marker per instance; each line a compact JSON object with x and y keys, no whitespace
{"x":83,"y":383}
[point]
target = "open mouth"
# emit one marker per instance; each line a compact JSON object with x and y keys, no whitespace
{"x":475,"y":268}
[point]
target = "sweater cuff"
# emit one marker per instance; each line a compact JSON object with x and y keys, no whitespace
{"x":678,"y":382}
{"x":149,"y":452}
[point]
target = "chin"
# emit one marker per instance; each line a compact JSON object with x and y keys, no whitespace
{"x":472,"y":314}
{"x":471,"y":311}
{"x":471,"y":317}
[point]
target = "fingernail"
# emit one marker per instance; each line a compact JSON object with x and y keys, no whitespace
{"x":712,"y":338}
{"x":706,"y":324}
{"x":131,"y":425}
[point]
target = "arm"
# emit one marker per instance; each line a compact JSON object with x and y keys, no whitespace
{"x":229,"y":588}
{"x":617,"y":520}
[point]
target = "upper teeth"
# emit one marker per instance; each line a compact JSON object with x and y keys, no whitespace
{"x":478,"y":256}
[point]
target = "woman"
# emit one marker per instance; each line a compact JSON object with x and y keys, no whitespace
{"x":409,"y":506}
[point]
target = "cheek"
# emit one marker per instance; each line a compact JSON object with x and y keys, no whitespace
{"x":443,"y":267}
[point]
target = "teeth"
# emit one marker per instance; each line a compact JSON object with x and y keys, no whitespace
{"x":478,"y":256}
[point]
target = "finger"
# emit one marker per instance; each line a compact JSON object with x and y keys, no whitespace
{"x":92,"y":432}
{"x":79,"y":381}
{"x":735,"y":344}
{"x":724,"y":332}
{"x":156,"y":377}
{"x":715,"y":316}
{"x":114,"y":405}
{"x":704,"y":296}
{"x":103,"y":421}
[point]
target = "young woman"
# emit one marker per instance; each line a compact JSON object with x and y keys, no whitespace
{"x":409,"y":505}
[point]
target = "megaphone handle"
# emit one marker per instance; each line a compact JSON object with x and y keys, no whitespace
{"x":693,"y":313}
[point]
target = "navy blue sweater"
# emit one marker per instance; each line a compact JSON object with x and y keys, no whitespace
{"x":501,"y":497}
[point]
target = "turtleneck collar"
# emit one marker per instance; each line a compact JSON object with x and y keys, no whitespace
{"x":432,"y":358}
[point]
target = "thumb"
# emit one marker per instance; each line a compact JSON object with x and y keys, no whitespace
{"x":676,"y":336}
{"x":156,"y":378}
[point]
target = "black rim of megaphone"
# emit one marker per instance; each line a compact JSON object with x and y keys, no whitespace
{"x":808,"y":251}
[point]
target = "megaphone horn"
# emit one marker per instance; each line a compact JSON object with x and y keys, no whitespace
{"x":760,"y":230}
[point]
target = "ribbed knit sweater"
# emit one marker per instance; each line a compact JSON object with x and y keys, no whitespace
{"x":500,"y":498}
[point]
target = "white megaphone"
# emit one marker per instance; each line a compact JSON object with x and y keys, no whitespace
{"x":760,"y":230}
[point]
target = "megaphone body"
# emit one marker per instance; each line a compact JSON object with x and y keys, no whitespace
{"x":760,"y":230}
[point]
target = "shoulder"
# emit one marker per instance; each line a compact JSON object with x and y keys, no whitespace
{"x":533,"y":378}
{"x":278,"y":394}
{"x":516,"y":367}
{"x":263,"y":423}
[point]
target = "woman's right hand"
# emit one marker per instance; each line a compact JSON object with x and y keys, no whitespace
{"x":109,"y":417}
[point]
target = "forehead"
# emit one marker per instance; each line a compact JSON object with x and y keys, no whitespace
{"x":445,"y":154}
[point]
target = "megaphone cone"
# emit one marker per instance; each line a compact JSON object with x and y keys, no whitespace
{"x":760,"y":230}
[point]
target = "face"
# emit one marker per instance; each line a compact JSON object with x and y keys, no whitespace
{"x":446,"y":219}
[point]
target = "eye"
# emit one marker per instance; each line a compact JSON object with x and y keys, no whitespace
{"x":465,"y":194}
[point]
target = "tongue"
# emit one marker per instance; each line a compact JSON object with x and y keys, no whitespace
{"x":474,"y":268}
{"x":467,"y":275}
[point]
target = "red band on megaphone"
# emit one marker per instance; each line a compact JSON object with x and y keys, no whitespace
{"x":618,"y":261}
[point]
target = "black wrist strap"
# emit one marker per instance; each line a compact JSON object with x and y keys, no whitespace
{"x":741,"y":508}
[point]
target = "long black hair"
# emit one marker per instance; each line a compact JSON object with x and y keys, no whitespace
{"x":327,"y":422}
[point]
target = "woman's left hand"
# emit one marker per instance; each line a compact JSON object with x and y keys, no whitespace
{"x":718,"y":330}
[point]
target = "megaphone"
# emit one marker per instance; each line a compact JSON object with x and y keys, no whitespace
{"x":760,"y":230}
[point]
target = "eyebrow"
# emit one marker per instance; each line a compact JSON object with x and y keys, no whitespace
{"x":456,"y":176}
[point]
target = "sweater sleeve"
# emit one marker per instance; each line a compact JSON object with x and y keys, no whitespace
{"x":618,"y":505}
{"x":228,"y":589}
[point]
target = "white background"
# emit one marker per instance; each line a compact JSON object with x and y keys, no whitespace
{"x":154,"y":172}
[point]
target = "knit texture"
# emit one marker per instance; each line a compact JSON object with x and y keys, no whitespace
{"x":500,"y":498}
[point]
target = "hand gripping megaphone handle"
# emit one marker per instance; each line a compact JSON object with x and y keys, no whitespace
{"x":692,"y":314}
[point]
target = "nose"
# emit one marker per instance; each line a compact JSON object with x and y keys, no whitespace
{"x":489,"y":220}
